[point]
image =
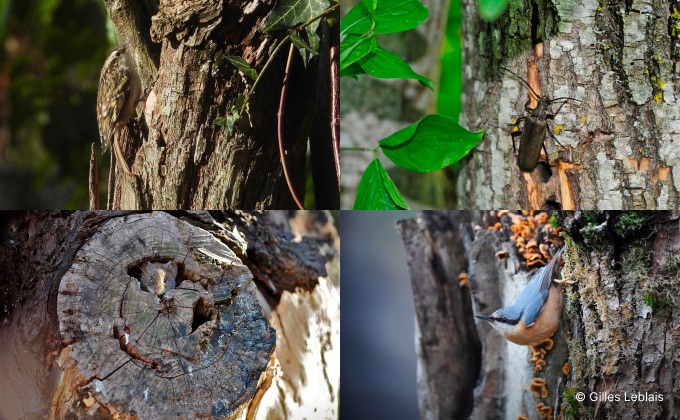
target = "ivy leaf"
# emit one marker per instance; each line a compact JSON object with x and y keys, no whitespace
{"x":377,"y":191}
{"x":303,"y":48}
{"x":229,"y":120}
{"x":386,"y":65}
{"x":430,"y":144}
{"x":295,"y":12}
{"x":354,"y":47}
{"x":233,"y":116}
{"x":490,"y":10}
{"x":243,"y":65}
{"x":300,"y":43}
{"x":388,"y":17}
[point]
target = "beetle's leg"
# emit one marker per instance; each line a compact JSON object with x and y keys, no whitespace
{"x":516,"y":133}
{"x":513,"y":137}
{"x":554,"y":138}
{"x":552,"y":116}
{"x":516,"y":124}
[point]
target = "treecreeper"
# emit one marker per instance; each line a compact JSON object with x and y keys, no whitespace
{"x":120,"y":88}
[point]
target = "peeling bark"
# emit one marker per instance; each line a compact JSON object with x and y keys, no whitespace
{"x":275,"y":256}
{"x":617,"y":147}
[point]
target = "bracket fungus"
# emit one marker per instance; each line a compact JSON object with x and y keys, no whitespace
{"x":159,"y":319}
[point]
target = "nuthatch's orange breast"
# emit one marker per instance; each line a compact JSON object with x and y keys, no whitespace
{"x":546,"y":324}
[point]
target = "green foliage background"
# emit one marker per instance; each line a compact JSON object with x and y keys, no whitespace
{"x":51,"y":55}
{"x":436,"y":141}
{"x":448,"y":97}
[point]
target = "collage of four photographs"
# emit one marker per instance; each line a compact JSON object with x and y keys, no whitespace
{"x":177,"y":177}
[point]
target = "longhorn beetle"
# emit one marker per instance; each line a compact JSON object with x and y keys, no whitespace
{"x":534,"y":129}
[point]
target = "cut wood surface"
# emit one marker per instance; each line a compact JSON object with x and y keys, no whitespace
{"x":195,"y":350}
{"x":158,"y":315}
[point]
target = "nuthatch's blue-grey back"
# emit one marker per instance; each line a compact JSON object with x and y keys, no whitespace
{"x":537,"y":312}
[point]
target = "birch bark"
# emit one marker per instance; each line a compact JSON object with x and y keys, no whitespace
{"x":618,"y":145}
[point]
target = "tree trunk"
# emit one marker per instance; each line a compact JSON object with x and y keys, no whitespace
{"x":617,"y":145}
{"x":154,"y":316}
{"x":624,"y":339}
{"x":449,"y":351}
{"x":179,"y":156}
{"x":619,"y":336}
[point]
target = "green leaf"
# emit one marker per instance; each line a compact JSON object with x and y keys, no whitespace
{"x":386,"y":65}
{"x":448,"y":94}
{"x":377,"y":191}
{"x":303,"y":48}
{"x":313,"y":38}
{"x":233,"y":116}
{"x":432,"y":143}
{"x":370,"y":6}
{"x":491,"y":9}
{"x":355,"y":47}
{"x":390,"y":16}
{"x":243,"y":65}
{"x":352,"y":70}
{"x":294,"y":12}
{"x":300,"y":43}
{"x":291,"y":13}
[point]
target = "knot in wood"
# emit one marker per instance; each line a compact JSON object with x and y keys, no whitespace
{"x":159,"y":319}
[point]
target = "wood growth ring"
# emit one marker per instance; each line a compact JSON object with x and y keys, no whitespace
{"x":159,"y":319}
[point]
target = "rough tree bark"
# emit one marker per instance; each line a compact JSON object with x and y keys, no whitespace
{"x":618,"y":146}
{"x":624,"y":321}
{"x":447,"y":345}
{"x":179,"y":156}
{"x":620,"y":335}
{"x":84,"y":332}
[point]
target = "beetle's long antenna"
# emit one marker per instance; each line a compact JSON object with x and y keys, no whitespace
{"x":565,"y":98}
{"x":538,"y":97}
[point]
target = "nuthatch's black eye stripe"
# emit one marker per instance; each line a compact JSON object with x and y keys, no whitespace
{"x":537,"y":311}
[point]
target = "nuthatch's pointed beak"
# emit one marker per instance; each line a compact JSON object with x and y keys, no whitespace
{"x":484,"y":317}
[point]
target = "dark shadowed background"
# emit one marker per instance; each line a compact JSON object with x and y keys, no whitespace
{"x":378,"y":360}
{"x":50,"y":56}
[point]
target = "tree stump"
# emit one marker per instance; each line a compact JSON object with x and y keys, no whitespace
{"x":159,"y":319}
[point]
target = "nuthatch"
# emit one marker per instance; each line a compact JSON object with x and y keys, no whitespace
{"x":537,"y":312}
